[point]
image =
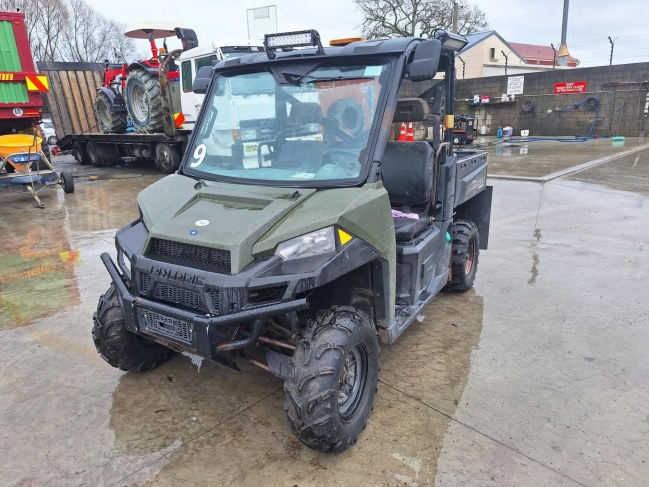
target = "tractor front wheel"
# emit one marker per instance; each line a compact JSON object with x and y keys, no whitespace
{"x":109,"y":119}
{"x":144,"y":101}
{"x":332,"y":380}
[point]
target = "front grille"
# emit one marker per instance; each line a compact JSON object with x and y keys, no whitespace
{"x":177,"y":295}
{"x":188,"y":254}
{"x":215,"y":297}
{"x":167,"y":327}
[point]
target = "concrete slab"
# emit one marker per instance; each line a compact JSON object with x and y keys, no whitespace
{"x":538,"y":376}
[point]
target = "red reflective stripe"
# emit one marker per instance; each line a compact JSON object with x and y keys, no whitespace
{"x":36,"y":81}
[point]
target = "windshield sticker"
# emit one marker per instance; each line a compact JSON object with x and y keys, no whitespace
{"x":199,"y":155}
{"x":303,"y":175}
{"x":373,"y":70}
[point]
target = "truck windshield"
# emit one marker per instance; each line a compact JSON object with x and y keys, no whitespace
{"x":286,"y":127}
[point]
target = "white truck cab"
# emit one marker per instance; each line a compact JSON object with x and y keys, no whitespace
{"x":193,"y":59}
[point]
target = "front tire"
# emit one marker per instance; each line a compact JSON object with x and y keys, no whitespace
{"x":67,"y":182}
{"x":118,"y":346}
{"x":166,"y":158}
{"x":464,"y":256}
{"x":109,"y":119}
{"x":332,"y":383}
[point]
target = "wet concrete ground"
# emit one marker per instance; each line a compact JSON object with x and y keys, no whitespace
{"x":538,"y":376}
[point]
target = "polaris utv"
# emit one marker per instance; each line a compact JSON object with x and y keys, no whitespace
{"x":333,"y":241}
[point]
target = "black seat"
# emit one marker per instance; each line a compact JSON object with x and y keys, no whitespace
{"x":407,"y":170}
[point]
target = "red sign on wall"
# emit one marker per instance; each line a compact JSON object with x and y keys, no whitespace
{"x":569,"y":87}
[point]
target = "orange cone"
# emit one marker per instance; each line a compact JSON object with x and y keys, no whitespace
{"x":402,"y":134}
{"x":411,"y":134}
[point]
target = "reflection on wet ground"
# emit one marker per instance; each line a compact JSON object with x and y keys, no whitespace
{"x":539,"y":158}
{"x":538,"y":376}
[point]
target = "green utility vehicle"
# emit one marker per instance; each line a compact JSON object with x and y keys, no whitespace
{"x":330,"y":239}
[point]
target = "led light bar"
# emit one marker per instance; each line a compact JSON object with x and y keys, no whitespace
{"x":454,"y":42}
{"x":290,"y":40}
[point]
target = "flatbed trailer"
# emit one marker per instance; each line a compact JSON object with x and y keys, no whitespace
{"x":106,"y":149}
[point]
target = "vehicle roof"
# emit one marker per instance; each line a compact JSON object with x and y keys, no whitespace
{"x":213,"y":46}
{"x":396,"y":45}
{"x":158,"y":29}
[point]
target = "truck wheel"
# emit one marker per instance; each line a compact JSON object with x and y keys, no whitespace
{"x":144,"y":101}
{"x":166,"y":158}
{"x":331,"y":386}
{"x":52,"y":140}
{"x":109,"y":120}
{"x":118,"y":346}
{"x":80,"y":154}
{"x":67,"y":182}
{"x":464,"y":256}
{"x":102,"y":155}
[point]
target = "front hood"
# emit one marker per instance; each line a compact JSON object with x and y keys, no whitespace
{"x":219,"y":215}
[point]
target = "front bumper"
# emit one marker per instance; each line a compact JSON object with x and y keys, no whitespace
{"x":205,"y":335}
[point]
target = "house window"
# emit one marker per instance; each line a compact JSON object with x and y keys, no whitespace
{"x":492,"y":53}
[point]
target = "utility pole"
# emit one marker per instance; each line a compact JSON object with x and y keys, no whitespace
{"x":554,"y":58}
{"x":506,"y":61}
{"x":463,"y":65}
{"x":454,"y":24}
{"x":610,"y":63}
{"x":563,"y":48}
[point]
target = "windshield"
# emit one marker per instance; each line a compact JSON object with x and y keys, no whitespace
{"x":295,"y":124}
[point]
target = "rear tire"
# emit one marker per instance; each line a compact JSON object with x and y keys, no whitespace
{"x":166,"y":158}
{"x":464,"y":256}
{"x":67,"y":182}
{"x":109,"y":120}
{"x":144,"y":101}
{"x":102,"y":155}
{"x":80,"y":153}
{"x":118,"y":346}
{"x":52,"y":140}
{"x":332,"y":382}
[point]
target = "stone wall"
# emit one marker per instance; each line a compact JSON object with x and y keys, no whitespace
{"x":619,"y":90}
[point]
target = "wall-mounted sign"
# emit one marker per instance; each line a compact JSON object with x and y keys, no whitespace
{"x":515,"y":85}
{"x":569,"y":87}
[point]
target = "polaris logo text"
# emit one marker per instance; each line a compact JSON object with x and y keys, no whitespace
{"x":476,"y":184}
{"x":178,"y":276}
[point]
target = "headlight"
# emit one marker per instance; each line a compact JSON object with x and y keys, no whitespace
{"x":124,"y":263}
{"x":249,"y":134}
{"x":314,"y":243}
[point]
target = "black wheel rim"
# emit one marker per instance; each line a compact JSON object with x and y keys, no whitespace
{"x":353,"y":376}
{"x":165,"y":158}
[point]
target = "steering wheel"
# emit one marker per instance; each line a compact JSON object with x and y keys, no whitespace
{"x":343,"y":158}
{"x":333,"y":126}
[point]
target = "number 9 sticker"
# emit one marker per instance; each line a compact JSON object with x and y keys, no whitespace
{"x":199,"y":155}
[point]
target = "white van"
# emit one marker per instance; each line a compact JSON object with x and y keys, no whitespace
{"x":193,"y":59}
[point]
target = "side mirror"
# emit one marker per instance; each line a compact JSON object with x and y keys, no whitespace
{"x":425,"y":61}
{"x":202,"y":80}
{"x":187,"y":38}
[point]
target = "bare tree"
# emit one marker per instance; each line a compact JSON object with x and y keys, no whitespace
{"x":71,"y":30}
{"x":397,"y":18}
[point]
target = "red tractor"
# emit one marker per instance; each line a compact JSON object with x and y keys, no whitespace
{"x":135,"y":90}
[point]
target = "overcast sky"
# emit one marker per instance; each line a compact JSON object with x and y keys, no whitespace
{"x":590,"y":22}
